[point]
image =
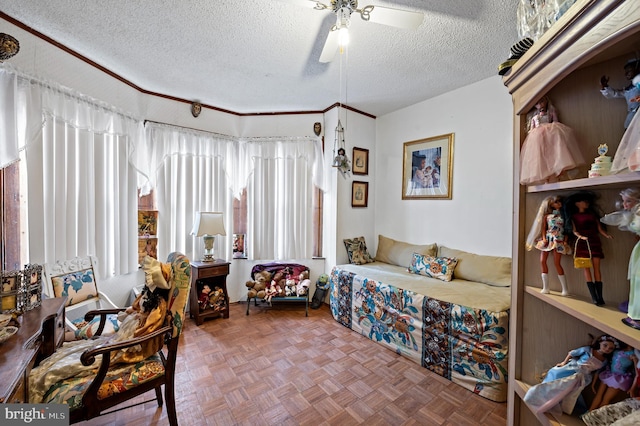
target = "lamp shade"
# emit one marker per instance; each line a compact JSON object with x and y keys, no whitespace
{"x":208,"y":223}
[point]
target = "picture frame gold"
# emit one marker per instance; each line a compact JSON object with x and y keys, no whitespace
{"x":360,"y":161}
{"x":359,"y":194}
{"x":427,"y":168}
{"x":10,"y":287}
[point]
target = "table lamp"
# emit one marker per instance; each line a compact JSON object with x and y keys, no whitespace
{"x":207,"y":225}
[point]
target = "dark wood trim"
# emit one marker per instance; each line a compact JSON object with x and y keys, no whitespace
{"x":160,"y":95}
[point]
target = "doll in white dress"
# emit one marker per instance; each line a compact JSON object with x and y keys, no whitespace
{"x":550,"y":148}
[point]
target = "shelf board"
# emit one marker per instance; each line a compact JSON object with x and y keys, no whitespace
{"x":607,"y":319}
{"x":621,"y":180}
{"x":521,"y":389}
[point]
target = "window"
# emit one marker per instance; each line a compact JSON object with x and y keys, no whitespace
{"x":10,"y":234}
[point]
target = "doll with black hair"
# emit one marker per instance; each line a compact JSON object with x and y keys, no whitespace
{"x":583,"y":221}
{"x":629,"y":93}
{"x":547,"y":235}
{"x":617,"y":378}
{"x":563,"y":383}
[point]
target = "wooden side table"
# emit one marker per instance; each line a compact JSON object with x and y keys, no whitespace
{"x":214,"y":274}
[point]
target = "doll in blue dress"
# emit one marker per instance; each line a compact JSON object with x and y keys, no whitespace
{"x":563,"y":384}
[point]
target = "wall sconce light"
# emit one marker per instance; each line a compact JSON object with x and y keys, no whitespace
{"x":207,"y":225}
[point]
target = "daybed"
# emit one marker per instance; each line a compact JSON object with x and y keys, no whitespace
{"x":457,"y":329}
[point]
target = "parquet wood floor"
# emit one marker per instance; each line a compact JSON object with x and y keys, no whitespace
{"x":278,"y":367}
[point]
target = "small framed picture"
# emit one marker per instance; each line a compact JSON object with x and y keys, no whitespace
{"x":239,"y":251}
{"x":147,"y":223}
{"x":9,"y":289}
{"x":147,"y":246}
{"x":360,"y":161}
{"x":359,"y":194}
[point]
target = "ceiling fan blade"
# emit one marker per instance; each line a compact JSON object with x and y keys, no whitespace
{"x":311,"y":4}
{"x":330,"y":47}
{"x":392,"y":17}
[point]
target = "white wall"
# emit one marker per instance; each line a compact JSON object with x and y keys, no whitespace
{"x":478,"y":217}
{"x":341,"y":220}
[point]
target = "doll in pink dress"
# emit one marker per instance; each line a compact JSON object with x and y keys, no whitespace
{"x":549,"y":149}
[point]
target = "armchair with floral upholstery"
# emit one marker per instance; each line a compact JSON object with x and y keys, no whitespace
{"x":109,"y":371}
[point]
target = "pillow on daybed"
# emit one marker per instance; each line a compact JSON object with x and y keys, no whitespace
{"x":492,"y":270}
{"x":400,"y":253}
{"x":357,"y":251}
{"x":433,"y":267}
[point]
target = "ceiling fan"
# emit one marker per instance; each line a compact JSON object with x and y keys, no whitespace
{"x":338,"y":36}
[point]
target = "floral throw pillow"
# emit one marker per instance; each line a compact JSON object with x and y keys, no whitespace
{"x":77,"y":286}
{"x":357,"y":251}
{"x":433,"y":267}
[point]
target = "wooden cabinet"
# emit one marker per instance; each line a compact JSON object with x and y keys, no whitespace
{"x":592,"y":39}
{"x":212,"y":274}
{"x":41,"y":332}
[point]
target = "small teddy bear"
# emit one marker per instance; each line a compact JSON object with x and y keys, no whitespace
{"x":257,"y":287}
{"x":278,"y":283}
{"x":290,"y":287}
{"x":216,"y":299}
{"x":303,"y":283}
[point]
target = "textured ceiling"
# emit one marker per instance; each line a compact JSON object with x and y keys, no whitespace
{"x":261,"y":56}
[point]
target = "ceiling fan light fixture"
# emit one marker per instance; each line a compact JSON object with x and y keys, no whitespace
{"x":343,"y":37}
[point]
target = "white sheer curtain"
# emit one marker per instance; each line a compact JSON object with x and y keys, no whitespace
{"x":281,"y":174}
{"x":81,"y":188}
{"x":191,"y":171}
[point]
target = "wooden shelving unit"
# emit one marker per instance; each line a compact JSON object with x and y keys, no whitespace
{"x":592,"y":39}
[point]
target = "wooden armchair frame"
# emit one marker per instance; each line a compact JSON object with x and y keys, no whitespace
{"x":169,"y":334}
{"x":92,"y":406}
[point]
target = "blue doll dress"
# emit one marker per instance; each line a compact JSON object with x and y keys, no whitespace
{"x":562,"y":385}
{"x":621,"y":373}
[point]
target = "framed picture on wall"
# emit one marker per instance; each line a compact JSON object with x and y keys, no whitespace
{"x":427,"y":168}
{"x":359,"y":194}
{"x":239,"y":247}
{"x":360,"y":161}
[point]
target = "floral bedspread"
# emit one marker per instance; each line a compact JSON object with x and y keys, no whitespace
{"x":466,"y":345}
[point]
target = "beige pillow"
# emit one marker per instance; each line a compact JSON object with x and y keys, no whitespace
{"x":401,"y":253}
{"x":492,"y":270}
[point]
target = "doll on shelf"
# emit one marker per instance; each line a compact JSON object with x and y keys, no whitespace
{"x":617,"y":377}
{"x":564,"y":382}
{"x":547,"y":235}
{"x":550,"y":147}
{"x":583,"y":221}
{"x":629,"y":93}
{"x":633,"y":311}
{"x":627,"y":155}
{"x":621,"y":218}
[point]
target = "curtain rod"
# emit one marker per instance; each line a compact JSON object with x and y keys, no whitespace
{"x":228,"y":136}
{"x":187,"y":128}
